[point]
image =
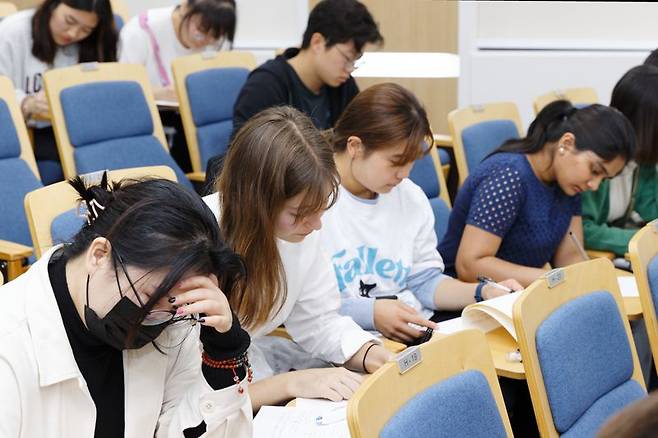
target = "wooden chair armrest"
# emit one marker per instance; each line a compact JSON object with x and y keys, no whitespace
{"x":11,"y":251}
{"x":594,"y":254}
{"x":196,"y":176}
{"x":443,"y":140}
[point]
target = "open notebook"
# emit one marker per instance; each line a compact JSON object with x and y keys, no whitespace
{"x":491,"y":314}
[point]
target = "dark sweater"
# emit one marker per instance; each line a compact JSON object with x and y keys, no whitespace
{"x":273,"y":84}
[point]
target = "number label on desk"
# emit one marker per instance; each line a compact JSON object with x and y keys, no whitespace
{"x":408,"y":359}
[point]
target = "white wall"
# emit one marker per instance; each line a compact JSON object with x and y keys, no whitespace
{"x":263,"y":25}
{"x":516,"y":51}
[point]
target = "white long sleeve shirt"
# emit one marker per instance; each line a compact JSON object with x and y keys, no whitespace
{"x":17,"y":61}
{"x":310,"y":312}
{"x":44,"y":395}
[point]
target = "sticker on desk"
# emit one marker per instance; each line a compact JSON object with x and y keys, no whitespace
{"x":408,"y":359}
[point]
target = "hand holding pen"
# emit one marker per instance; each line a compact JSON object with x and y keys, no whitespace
{"x":493,"y":289}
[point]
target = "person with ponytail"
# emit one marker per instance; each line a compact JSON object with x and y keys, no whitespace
{"x":613,"y":213}
{"x":520,"y":208}
{"x":278,"y":180}
{"x":380,"y":233}
{"x":126,"y":331}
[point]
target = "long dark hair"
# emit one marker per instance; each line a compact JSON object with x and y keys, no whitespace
{"x":597,"y":128}
{"x":156,"y":224}
{"x":100,"y":45}
{"x":636,"y":96}
{"x":218,"y":17}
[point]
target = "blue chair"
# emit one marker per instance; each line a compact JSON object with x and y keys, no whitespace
{"x":577,"y":349}
{"x":427,"y":173}
{"x":478,"y":130}
{"x":121,"y":15}
{"x":18,"y":175}
{"x":52,"y":214}
{"x":453,"y":392}
{"x":643,"y":252}
{"x":104,"y":117}
{"x":208,"y":85}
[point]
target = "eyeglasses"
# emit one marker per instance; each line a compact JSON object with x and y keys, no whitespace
{"x":153,"y":317}
{"x":157,"y":317}
{"x":350,"y":63}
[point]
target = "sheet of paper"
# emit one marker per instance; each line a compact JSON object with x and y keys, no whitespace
{"x":628,"y":286}
{"x":284,"y":422}
{"x":450,"y":326}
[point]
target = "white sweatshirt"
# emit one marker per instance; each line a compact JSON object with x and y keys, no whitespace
{"x":378,"y":246}
{"x":135,"y":46}
{"x":17,"y":61}
{"x":310,"y":312}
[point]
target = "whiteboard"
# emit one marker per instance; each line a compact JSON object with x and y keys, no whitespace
{"x":567,"y":25}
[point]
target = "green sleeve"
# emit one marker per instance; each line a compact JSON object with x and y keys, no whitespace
{"x":646,"y":195}
{"x":598,"y":235}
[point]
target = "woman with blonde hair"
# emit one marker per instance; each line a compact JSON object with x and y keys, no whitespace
{"x":278,"y":179}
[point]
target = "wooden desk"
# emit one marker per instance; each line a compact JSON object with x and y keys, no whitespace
{"x":501,"y":342}
{"x":632,"y":305}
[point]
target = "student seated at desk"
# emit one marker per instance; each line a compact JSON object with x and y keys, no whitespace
{"x":380,"y":233}
{"x":156,"y":37}
{"x":613,"y":213}
{"x":278,"y":180}
{"x":316,"y":78}
{"x":59,"y":33}
{"x":516,"y":211}
{"x":102,"y":337}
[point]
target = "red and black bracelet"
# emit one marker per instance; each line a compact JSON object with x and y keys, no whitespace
{"x":231,"y":364}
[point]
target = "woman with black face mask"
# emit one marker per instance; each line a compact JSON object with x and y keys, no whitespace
{"x":126,"y":331}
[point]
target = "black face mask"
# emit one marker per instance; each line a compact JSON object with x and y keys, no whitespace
{"x":115,"y":327}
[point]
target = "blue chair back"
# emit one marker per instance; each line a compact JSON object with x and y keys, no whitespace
{"x":16,"y":180}
{"x":118,"y":22}
{"x":212,"y":94}
{"x":482,"y":138}
{"x":586,"y":363}
{"x":441,"y":216}
{"x":423,"y":173}
{"x":460,"y":406}
{"x":110,"y":127}
{"x":65,"y":226}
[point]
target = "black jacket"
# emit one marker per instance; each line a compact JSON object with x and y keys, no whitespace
{"x":271,"y":85}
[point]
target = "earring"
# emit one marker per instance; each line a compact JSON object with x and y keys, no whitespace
{"x":561,"y":150}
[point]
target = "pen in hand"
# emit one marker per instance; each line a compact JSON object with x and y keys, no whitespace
{"x":492,"y":283}
{"x":579,"y":247}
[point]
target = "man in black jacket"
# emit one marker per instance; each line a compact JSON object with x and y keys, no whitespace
{"x":314,"y":79}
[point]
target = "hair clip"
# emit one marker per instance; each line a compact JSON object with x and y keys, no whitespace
{"x":92,"y":213}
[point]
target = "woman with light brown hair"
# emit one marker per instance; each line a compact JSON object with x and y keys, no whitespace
{"x":278,"y":179}
{"x":380,"y":234}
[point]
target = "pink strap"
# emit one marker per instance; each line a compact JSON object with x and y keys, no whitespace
{"x":162,"y":71}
